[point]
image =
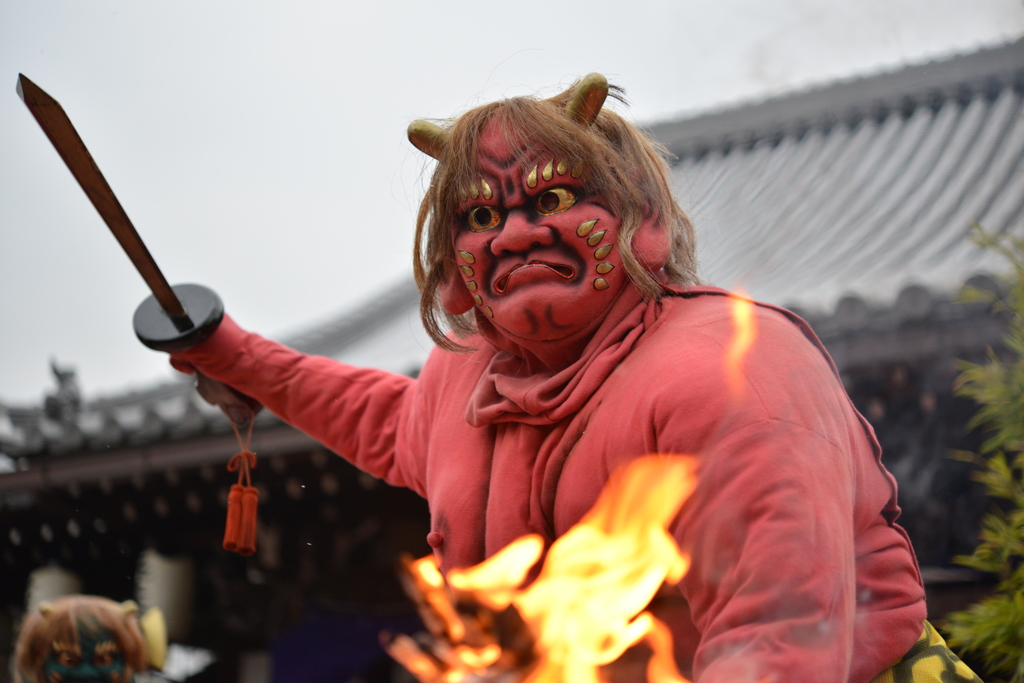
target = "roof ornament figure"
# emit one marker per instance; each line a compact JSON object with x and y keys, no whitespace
{"x":64,"y":405}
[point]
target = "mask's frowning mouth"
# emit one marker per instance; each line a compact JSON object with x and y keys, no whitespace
{"x":563,"y":271}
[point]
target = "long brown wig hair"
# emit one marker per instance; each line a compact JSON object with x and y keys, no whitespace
{"x":624,"y":166}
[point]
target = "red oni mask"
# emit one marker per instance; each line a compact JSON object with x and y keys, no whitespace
{"x":537,"y":254}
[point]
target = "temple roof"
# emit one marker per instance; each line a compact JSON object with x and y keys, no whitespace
{"x":385,"y":333}
{"x":863,"y":187}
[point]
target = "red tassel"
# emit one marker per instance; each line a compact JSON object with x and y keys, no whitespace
{"x":231,"y":529}
{"x":243,"y":500}
{"x":247,"y":528}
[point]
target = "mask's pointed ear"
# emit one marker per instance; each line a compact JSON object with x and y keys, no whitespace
{"x":652,"y":246}
{"x":587,"y":100}
{"x":428,"y":137}
{"x":154,"y":633}
{"x":455,"y":298}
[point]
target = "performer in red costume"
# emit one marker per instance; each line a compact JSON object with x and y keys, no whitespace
{"x":551,"y":248}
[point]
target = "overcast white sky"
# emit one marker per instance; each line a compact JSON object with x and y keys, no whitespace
{"x":260,"y":147}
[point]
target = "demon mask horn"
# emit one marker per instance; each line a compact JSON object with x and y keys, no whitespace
{"x":428,"y":137}
{"x":583,"y":107}
{"x":587,"y":100}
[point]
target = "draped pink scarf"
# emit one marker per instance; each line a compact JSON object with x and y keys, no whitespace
{"x":509,"y":391}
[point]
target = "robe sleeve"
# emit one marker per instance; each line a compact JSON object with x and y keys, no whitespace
{"x":772,"y":581}
{"x":362,"y":414}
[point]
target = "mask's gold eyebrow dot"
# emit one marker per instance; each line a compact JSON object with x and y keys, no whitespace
{"x":466,"y":270}
{"x":531,"y":179}
{"x":488,"y":312}
{"x":595,"y":238}
{"x":467,"y":257}
{"x":471,"y":286}
{"x":562,"y":167}
{"x":603,"y":268}
{"x":548,"y":170}
{"x":485,"y":189}
{"x":600,"y":283}
{"x":477,"y":299}
{"x":463,"y":193}
{"x":603,"y":251}
{"x":473,"y":192}
{"x":585,"y":228}
{"x":577,"y":170}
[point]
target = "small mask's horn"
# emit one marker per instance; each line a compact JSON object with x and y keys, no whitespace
{"x":45,"y":608}
{"x":428,"y":137}
{"x":586,"y":102}
{"x":129,"y":607}
{"x":154,"y":633}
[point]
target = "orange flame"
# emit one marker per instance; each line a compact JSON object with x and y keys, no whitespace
{"x":585,"y":609}
{"x":744,"y":324}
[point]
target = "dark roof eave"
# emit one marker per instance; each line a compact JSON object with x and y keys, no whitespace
{"x":930,"y":83}
{"x":88,"y":468}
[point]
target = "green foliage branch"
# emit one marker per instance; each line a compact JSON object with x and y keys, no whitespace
{"x":993,"y":629}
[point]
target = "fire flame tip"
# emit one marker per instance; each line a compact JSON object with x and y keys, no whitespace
{"x":587,"y":605}
{"x":744,"y":323}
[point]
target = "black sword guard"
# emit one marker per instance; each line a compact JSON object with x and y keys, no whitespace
{"x":158,"y":330}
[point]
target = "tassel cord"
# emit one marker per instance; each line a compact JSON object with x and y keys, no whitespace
{"x":245,"y":459}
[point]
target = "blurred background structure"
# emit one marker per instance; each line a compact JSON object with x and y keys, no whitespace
{"x":849,"y":203}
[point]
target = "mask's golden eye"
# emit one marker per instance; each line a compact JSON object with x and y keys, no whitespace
{"x":555,"y":200}
{"x":484,"y":218}
{"x":68,"y":660}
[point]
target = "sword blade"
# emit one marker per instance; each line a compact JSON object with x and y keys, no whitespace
{"x":58,"y":127}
